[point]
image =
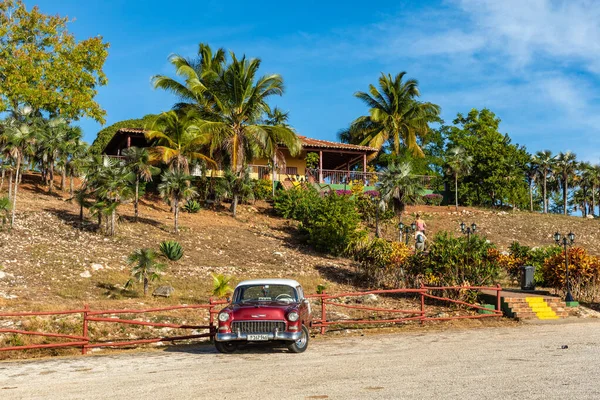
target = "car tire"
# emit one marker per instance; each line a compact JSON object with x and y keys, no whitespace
{"x":226,"y":347}
{"x":300,"y":345}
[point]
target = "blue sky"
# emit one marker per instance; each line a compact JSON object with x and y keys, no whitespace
{"x":535,"y":63}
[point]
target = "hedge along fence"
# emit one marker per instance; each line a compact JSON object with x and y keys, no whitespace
{"x":88,"y":316}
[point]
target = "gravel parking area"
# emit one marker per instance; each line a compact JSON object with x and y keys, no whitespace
{"x":524,"y":362}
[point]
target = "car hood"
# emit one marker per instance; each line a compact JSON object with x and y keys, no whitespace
{"x":262,"y":310}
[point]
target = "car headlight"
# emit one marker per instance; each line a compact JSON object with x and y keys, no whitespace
{"x":224,"y":316}
{"x":293,"y":316}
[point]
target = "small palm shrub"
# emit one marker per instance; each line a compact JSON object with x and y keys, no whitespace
{"x":145,"y":267}
{"x":584,"y":273}
{"x":192,"y":206}
{"x":4,"y":209}
{"x":221,"y":287}
{"x":171,"y":249}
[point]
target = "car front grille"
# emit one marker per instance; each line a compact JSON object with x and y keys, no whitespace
{"x":257,"y":326}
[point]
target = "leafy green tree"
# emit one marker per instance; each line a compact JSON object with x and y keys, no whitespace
{"x":395,"y":115}
{"x":175,"y":187}
{"x":498,"y":173}
{"x":138,"y":161}
{"x":459,"y":163}
{"x":544,"y":161}
{"x":399,"y":187}
{"x":145,"y":267}
{"x":43,"y":66}
{"x":565,"y":166}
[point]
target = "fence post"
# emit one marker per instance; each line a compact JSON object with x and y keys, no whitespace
{"x":211,"y":318}
{"x":498,"y":298}
{"x":86,"y":307}
{"x":422,"y":304}
{"x":323,"y":314}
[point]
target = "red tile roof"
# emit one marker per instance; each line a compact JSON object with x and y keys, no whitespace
{"x":306,"y":142}
{"x":325,"y":144}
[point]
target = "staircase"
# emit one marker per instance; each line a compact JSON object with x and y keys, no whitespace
{"x":535,"y":307}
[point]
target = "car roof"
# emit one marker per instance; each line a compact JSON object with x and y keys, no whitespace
{"x":286,"y":282}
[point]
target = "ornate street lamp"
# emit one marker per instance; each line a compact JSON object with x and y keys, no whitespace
{"x":567,"y":240}
{"x":404,"y":229}
{"x":468,"y":230}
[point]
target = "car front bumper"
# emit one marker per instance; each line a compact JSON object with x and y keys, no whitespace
{"x":286,"y":336}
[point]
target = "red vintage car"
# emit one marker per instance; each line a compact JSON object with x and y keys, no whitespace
{"x":265,"y":310}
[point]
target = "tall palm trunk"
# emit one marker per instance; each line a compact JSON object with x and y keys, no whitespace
{"x":71,"y":191}
{"x":456,"y":190}
{"x":545,"y":195}
{"x":176,"y":213}
{"x":530,"y":198}
{"x":63,"y":180}
{"x":10,"y":181}
{"x":137,"y":197}
{"x":112,"y":222}
{"x":145,"y":284}
{"x":81,"y":216}
{"x":14,"y":208}
{"x":51,"y":176}
{"x":2,"y":179}
{"x":593,"y":205}
{"x":565,"y":191}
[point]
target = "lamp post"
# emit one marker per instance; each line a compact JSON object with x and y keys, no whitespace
{"x":567,"y":240}
{"x":468,"y":230}
{"x":405,"y":229}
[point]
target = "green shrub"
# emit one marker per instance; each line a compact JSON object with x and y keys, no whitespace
{"x":263,"y":189}
{"x":461,"y":261}
{"x":332,"y":223}
{"x":192,"y":206}
{"x":433,"y":199}
{"x":368,"y":209}
{"x":520,"y":256}
{"x":171,"y":249}
{"x":584,"y":273}
{"x":296,"y":203}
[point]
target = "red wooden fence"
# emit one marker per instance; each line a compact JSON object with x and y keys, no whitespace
{"x":90,"y":316}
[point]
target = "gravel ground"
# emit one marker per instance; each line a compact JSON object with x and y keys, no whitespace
{"x":526,"y":362}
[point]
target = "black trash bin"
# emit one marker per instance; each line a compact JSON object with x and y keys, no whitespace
{"x":527,"y":277}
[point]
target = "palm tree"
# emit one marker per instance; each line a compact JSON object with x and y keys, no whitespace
{"x":145,"y":267}
{"x":114,"y":186}
{"x":175,"y":187}
{"x":565,"y":166}
{"x":16,"y":140}
{"x":398,"y":185}
{"x":75,"y":162}
{"x":177,"y":140}
{"x":52,"y":140}
{"x":459,"y":163}
{"x":138,"y":160}
{"x":585,"y":177}
{"x":198,"y":75}
{"x":595,"y":183}
{"x":531,"y":172}
{"x":394,"y":115}
{"x":544,"y":161}
{"x":233,"y":122}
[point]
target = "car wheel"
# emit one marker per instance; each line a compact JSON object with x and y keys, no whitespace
{"x":300,"y":345}
{"x":226,"y":347}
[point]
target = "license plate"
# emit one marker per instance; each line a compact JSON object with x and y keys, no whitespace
{"x":257,"y":338}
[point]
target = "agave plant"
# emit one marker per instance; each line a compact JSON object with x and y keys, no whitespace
{"x":192,"y":206}
{"x":171,"y":249}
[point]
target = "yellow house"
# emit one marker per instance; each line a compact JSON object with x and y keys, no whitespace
{"x":334,"y":163}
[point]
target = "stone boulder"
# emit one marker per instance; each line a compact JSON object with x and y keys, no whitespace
{"x":163,"y":291}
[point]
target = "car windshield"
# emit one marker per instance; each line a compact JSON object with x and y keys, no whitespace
{"x":255,"y":293}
